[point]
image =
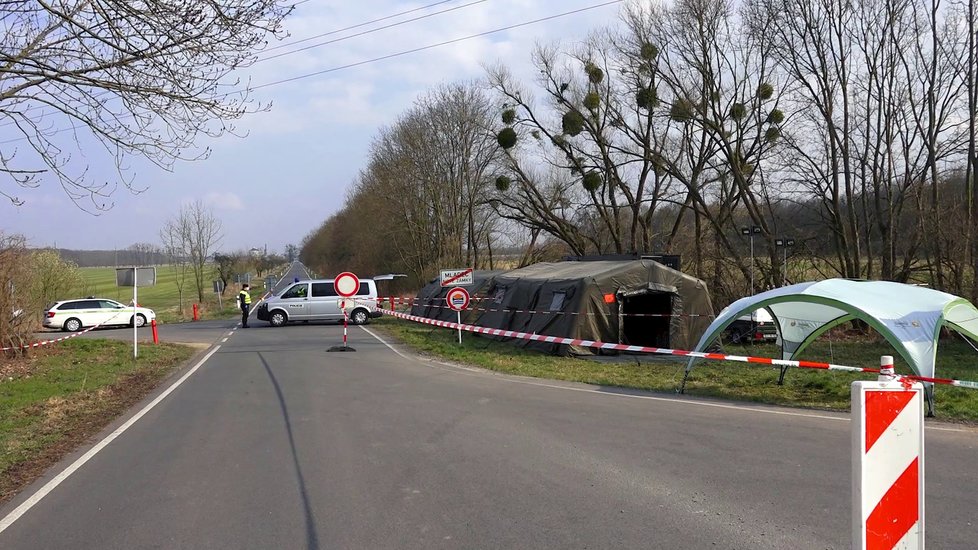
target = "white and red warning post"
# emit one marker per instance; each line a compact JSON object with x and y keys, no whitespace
{"x":887,"y":462}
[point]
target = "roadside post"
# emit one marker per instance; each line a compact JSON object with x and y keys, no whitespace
{"x":219,"y":289}
{"x":750,"y":232}
{"x":887,"y":462}
{"x":458,"y":299}
{"x":346,"y":285}
{"x":135,"y":277}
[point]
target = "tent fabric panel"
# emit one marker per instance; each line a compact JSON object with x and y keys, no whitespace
{"x":962,"y":316}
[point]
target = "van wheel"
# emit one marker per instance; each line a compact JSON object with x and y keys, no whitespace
{"x":359,"y":317}
{"x":72,"y":325}
{"x":278,"y":318}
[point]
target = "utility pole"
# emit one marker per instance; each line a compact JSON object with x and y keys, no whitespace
{"x":750,"y":232}
{"x":785,"y":243}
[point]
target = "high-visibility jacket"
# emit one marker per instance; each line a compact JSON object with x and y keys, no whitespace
{"x":244,"y":297}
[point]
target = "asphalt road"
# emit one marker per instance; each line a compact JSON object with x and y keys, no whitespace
{"x":275,"y":443}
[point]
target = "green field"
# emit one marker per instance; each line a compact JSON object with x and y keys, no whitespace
{"x":164,"y":297}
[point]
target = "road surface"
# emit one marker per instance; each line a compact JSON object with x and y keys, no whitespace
{"x":275,"y":443}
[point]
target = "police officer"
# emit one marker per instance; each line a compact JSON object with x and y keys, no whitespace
{"x":244,"y":300}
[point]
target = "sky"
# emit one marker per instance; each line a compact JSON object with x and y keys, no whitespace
{"x":294,"y":166}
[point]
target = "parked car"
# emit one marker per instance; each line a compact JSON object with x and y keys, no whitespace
{"x":749,"y":329}
{"x":73,"y":315}
{"x":316,"y":300}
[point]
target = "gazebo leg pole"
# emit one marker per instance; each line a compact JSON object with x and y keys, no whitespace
{"x":682,"y":386}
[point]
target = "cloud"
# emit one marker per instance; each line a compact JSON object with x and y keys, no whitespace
{"x":223,"y":200}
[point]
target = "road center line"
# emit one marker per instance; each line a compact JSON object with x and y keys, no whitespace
{"x":50,"y":485}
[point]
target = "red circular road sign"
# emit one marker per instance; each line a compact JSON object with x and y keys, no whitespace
{"x":457,"y":298}
{"x":346,"y":284}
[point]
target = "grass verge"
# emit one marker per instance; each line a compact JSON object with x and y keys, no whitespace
{"x":720,"y":379}
{"x":55,"y":400}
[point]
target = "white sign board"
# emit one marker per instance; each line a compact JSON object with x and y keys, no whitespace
{"x":456,"y":277}
{"x":145,"y":276}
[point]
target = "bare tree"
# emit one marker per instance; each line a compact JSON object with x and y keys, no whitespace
{"x":190,"y":237}
{"x":175,"y":236}
{"x":141,"y":79}
{"x":205,"y":233}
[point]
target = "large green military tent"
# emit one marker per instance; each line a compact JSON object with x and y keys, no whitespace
{"x":637,"y":302}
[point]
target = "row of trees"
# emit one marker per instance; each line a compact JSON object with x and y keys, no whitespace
{"x":849,"y":126}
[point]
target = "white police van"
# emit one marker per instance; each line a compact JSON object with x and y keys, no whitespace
{"x":316,"y":300}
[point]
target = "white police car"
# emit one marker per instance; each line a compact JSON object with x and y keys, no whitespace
{"x":73,"y":315}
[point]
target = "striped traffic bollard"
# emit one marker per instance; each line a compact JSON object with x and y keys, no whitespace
{"x":887,"y":462}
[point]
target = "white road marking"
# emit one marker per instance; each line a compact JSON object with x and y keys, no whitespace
{"x":50,"y":486}
{"x":502,"y":376}
{"x":224,"y":340}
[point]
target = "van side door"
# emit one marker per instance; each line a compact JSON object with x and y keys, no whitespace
{"x":325,"y":301}
{"x":296,"y":301}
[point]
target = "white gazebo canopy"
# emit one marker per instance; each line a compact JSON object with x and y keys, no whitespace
{"x":909,"y":317}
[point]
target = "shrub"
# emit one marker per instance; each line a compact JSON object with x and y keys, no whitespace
{"x":506,"y":138}
{"x":591,"y":181}
{"x":572,"y":123}
{"x":592,"y":100}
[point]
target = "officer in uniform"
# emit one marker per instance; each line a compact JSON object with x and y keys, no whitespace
{"x":244,"y":300}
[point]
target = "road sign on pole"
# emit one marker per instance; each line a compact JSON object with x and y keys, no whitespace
{"x":346,"y":284}
{"x":458,"y":299}
{"x":135,"y":277}
{"x":456,"y":277}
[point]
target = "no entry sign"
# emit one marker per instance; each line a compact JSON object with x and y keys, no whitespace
{"x":346,"y":284}
{"x":457,"y":298}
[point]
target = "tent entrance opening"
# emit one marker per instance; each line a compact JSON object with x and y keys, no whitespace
{"x":646,"y":319}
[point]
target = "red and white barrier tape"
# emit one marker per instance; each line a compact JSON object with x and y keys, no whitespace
{"x":666,"y":351}
{"x":63,"y":338}
{"x":413,"y":302}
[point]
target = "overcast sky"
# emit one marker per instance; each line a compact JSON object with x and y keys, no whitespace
{"x":293,"y":168}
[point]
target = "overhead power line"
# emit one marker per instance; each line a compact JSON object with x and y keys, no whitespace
{"x":362,"y":33}
{"x":358,"y":25}
{"x":395,"y":54}
{"x":432,"y":46}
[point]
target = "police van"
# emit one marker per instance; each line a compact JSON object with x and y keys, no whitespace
{"x":316,"y":300}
